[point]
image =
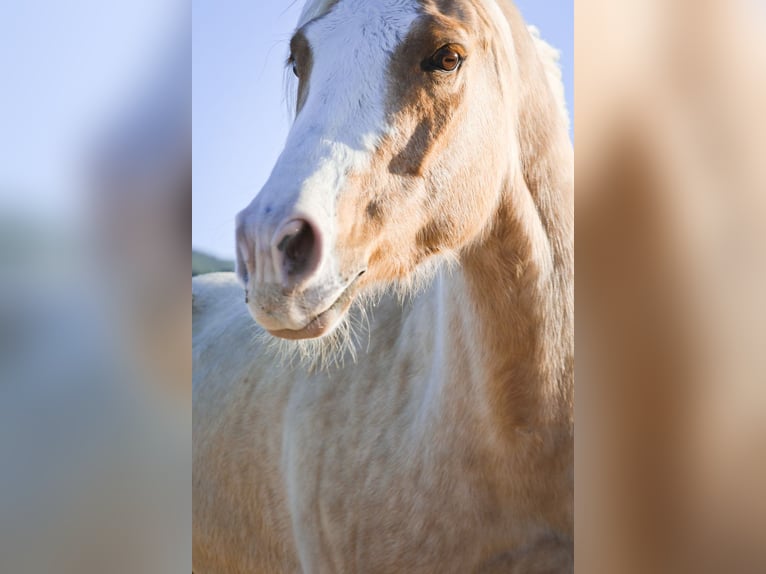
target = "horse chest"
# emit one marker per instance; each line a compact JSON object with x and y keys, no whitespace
{"x":376,"y":485}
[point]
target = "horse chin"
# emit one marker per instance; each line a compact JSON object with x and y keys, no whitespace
{"x":321,"y":325}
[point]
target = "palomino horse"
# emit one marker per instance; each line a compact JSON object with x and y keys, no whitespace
{"x":427,"y":131}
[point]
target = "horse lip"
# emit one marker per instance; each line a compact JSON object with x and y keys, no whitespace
{"x":322,"y":322}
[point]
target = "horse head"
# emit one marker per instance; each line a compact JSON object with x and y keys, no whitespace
{"x":398,"y":154}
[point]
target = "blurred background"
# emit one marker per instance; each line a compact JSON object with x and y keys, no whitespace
{"x":95,"y":208}
{"x":671,"y":275}
{"x":241,"y":115}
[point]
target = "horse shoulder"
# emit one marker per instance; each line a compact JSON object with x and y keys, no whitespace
{"x":239,"y":395}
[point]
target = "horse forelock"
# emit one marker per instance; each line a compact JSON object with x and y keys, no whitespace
{"x":315,"y":9}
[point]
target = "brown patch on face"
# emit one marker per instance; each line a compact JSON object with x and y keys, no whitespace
{"x":373,"y":210}
{"x":423,"y":101}
{"x":302,"y":56}
{"x":303,"y":60}
{"x":430,"y":187}
{"x":431,"y":236}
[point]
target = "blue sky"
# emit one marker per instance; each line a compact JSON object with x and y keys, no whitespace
{"x":239,"y":114}
{"x":70,"y":70}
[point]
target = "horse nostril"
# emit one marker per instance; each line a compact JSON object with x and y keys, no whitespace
{"x":298,"y":244}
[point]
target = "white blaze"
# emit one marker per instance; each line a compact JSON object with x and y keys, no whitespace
{"x":335,"y":133}
{"x":343,"y":118}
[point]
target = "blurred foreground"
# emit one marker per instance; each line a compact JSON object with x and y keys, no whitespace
{"x":671,"y":286}
{"x":95,"y":209}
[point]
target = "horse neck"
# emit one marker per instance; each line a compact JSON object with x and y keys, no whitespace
{"x":514,"y":294}
{"x":512,"y":301}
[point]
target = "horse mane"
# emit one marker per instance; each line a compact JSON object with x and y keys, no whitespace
{"x":550,"y":59}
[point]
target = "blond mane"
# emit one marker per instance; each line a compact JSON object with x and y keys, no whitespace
{"x":550,"y":59}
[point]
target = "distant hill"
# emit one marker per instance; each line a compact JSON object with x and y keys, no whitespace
{"x":203,"y":263}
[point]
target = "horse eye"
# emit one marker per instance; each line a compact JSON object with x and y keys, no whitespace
{"x":293,"y":65}
{"x":445,"y":59}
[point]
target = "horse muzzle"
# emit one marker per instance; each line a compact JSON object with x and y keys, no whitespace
{"x":292,"y":291}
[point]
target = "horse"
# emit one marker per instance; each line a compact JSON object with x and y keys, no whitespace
{"x":412,"y":253}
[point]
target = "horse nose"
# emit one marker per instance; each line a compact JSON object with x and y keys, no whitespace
{"x":296,"y":249}
{"x":288,"y":256}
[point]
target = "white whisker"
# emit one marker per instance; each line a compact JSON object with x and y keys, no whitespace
{"x":334,"y":349}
